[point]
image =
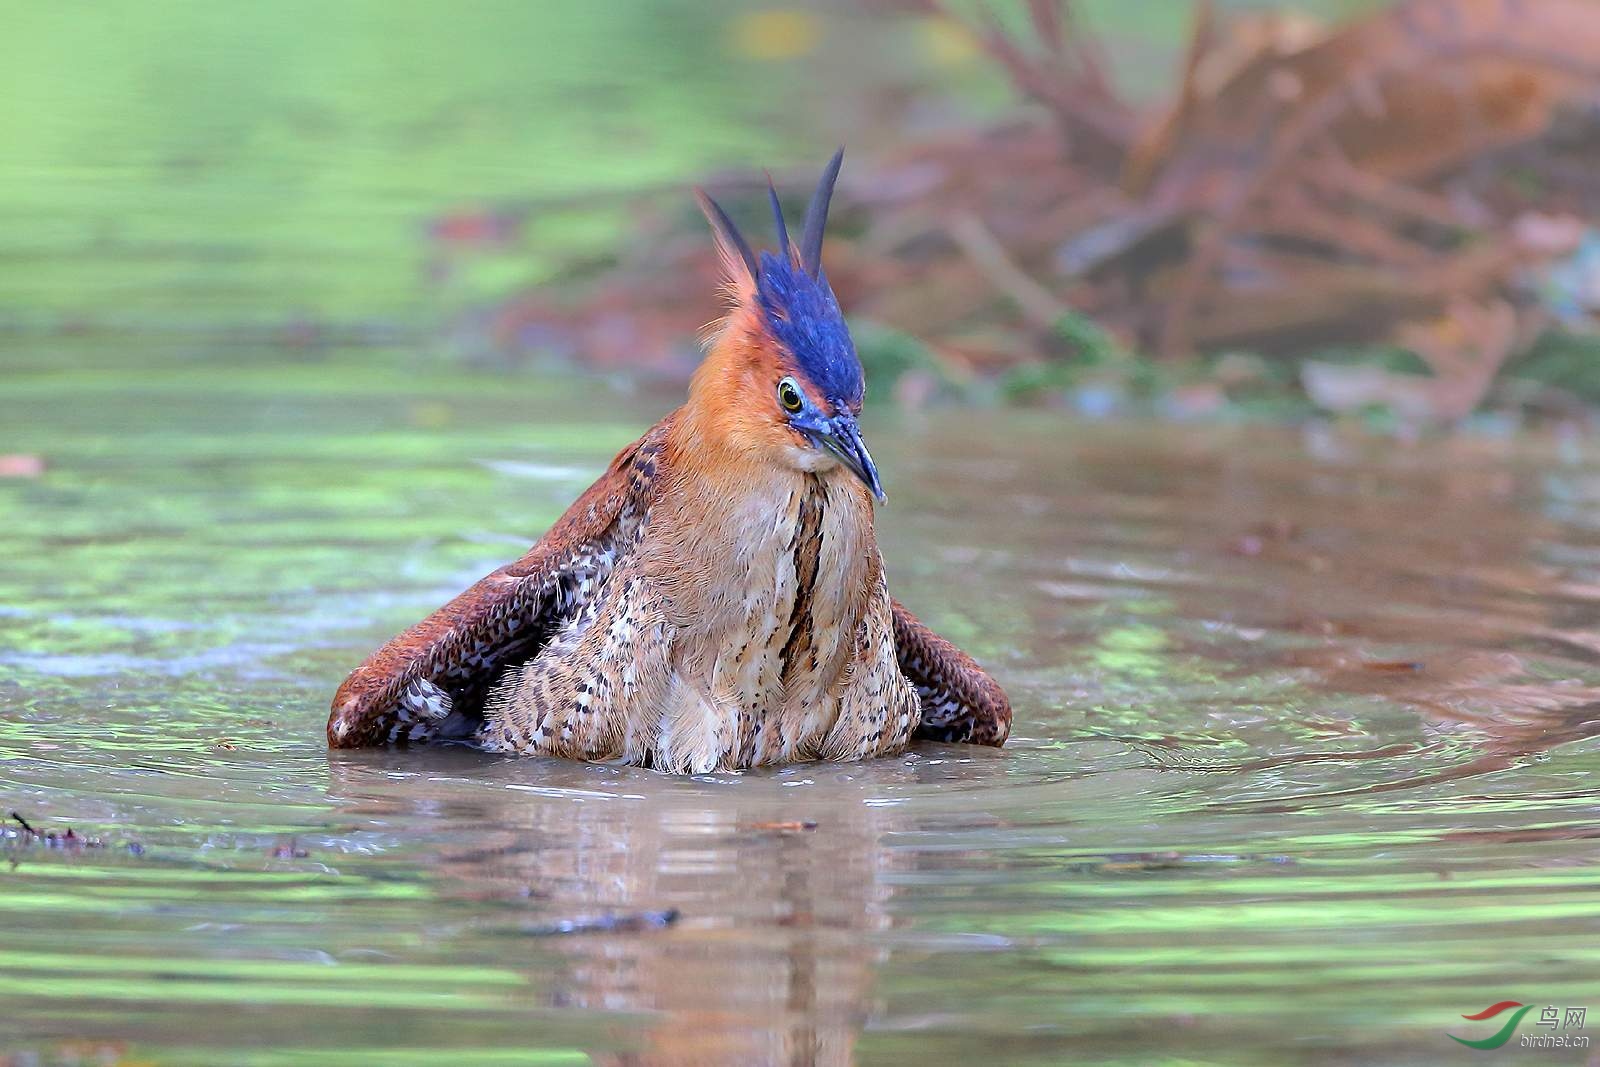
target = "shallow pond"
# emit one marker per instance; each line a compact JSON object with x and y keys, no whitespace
{"x":1303,"y":768}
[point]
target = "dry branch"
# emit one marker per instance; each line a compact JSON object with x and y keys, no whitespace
{"x":1302,"y":185}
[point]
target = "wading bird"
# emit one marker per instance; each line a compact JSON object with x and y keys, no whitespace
{"x":716,"y":600}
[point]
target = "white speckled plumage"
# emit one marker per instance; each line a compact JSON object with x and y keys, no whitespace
{"x":759,"y":633}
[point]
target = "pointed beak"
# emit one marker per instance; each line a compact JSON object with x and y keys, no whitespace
{"x":842,"y":438}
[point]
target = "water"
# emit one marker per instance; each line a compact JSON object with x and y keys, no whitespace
{"x":1303,"y":766}
{"x":1304,"y":756}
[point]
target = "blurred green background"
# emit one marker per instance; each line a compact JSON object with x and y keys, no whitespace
{"x":186,"y":163}
{"x":174,"y":164}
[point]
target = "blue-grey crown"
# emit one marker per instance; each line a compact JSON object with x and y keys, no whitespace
{"x":803,"y":314}
{"x":795,"y":297}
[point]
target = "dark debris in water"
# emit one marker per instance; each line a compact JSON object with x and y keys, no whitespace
{"x":67,"y":840}
{"x":625,"y":923}
{"x":1264,"y":534}
{"x":1395,"y":666}
{"x":290,"y":850}
{"x":1147,"y":862}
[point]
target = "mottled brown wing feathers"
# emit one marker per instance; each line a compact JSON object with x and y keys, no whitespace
{"x":507,"y":616}
{"x":959,"y":701}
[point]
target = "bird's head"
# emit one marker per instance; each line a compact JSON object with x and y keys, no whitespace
{"x":782,"y":378}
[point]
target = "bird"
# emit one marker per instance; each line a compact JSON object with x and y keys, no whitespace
{"x":716,"y":600}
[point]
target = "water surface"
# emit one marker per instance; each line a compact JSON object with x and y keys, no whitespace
{"x":1303,"y":767}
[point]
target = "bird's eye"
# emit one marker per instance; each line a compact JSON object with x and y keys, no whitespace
{"x":789,"y":396}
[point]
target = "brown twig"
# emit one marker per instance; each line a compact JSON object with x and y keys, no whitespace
{"x":979,"y":245}
{"x":1333,"y":172}
{"x":1078,"y":93}
{"x":1304,"y":128}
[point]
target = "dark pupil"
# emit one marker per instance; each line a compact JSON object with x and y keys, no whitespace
{"x":791,"y":396}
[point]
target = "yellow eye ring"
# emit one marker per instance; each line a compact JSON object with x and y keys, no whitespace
{"x":789,"y":395}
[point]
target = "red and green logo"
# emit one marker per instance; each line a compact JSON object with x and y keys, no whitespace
{"x":1550,"y":1018}
{"x":1504,"y":1033}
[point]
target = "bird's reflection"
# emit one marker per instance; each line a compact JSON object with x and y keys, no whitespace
{"x":778,"y":883}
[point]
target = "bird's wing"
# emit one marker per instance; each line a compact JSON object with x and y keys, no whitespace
{"x":446,"y":662}
{"x":960,"y":702}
